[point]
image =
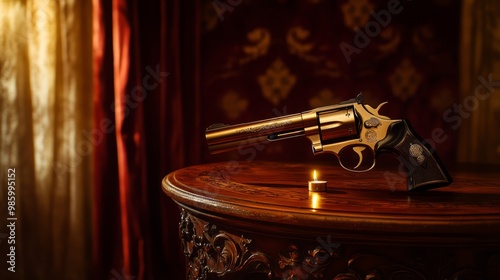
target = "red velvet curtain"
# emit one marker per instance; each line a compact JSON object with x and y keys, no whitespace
{"x":253,"y":60}
{"x":146,"y":124}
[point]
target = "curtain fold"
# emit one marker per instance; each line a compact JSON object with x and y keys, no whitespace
{"x":145,"y":88}
{"x":46,"y":119}
{"x":479,"y":76}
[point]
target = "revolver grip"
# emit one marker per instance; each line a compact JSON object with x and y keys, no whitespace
{"x":423,"y":166}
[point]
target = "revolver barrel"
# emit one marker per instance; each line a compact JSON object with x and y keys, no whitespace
{"x":322,"y":125}
{"x":222,"y":138}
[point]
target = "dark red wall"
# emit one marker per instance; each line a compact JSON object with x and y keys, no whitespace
{"x":265,"y":58}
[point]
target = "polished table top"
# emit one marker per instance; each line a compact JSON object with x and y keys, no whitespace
{"x":375,"y":202}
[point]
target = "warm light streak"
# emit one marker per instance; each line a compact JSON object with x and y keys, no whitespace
{"x":315,"y":198}
{"x":315,"y":177}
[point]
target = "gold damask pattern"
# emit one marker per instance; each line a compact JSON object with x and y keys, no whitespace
{"x":405,"y":80}
{"x":356,"y":13}
{"x":233,"y":104}
{"x":296,"y":40}
{"x":301,"y":44}
{"x":260,"y":40}
{"x":390,"y":39}
{"x":277,"y":82}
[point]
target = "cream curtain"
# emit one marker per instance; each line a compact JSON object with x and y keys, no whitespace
{"x":477,"y":113}
{"x":45,"y":124}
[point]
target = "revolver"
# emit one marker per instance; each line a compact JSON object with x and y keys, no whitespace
{"x":355,"y":132}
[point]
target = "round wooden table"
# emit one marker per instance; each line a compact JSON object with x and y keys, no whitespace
{"x":258,"y":220}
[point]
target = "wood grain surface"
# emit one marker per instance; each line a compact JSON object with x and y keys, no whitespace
{"x":372,"y":206}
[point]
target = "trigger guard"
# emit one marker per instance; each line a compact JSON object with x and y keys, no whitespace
{"x":358,"y":171}
{"x":351,"y":158}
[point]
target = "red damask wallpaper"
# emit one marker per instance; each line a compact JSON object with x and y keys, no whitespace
{"x":265,"y":58}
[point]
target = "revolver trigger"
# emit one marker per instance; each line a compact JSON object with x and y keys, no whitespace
{"x":358,"y":151}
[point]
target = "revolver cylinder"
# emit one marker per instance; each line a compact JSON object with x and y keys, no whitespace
{"x":330,"y":125}
{"x":338,"y":124}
